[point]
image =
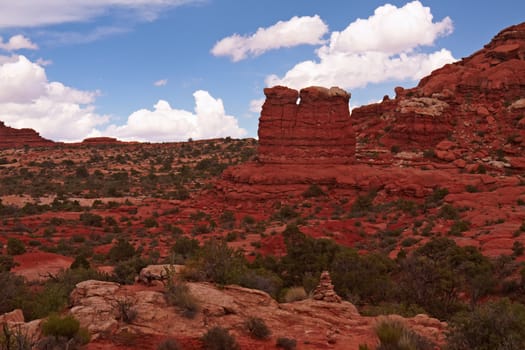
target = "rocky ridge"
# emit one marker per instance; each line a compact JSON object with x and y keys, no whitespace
{"x":476,"y":104}
{"x":14,"y":138}
{"x":315,"y":324}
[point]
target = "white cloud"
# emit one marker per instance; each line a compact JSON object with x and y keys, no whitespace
{"x":63,"y":113}
{"x":29,"y":100}
{"x":377,"y":49}
{"x":31,"y":13}
{"x":295,"y":31}
{"x":164,"y":123}
{"x":256,"y":105}
{"x":17,"y":42}
{"x":161,"y":82}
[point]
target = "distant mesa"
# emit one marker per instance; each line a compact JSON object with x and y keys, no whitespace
{"x":101,"y":141}
{"x":310,"y":126}
{"x":15,"y":138}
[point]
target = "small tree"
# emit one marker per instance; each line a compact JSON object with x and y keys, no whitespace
{"x":494,"y":325}
{"x":218,"y":338}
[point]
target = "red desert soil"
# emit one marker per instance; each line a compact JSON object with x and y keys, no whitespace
{"x":36,"y":266}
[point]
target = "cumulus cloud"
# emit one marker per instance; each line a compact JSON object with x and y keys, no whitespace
{"x":62,"y":113}
{"x":164,"y":123}
{"x":30,"y":13}
{"x":29,"y":100}
{"x":256,"y":105}
{"x":17,"y":42}
{"x":161,"y":82}
{"x":296,"y":31}
{"x":380,"y":48}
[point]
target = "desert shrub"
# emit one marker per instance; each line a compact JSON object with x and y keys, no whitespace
{"x":257,"y":328}
{"x":363,"y":204}
{"x":15,"y":246}
{"x":286,"y":343}
{"x":6,"y":263}
{"x":285,"y":213}
{"x":126,"y":271}
{"x":216,"y":262}
{"x":125,"y":310}
{"x":178,"y":294}
{"x":386,"y":308}
{"x":169,"y":344}
{"x":151,"y":222}
{"x":227,"y":220}
{"x":185,"y":247}
{"x":80,"y":262}
{"x":262,"y":279}
{"x":435,"y":274}
{"x":294,"y":294}
{"x":458,"y":227}
{"x":495,"y":325}
{"x":57,"y":326}
{"x":394,"y":335}
{"x":14,"y":339}
{"x":12,"y":292}
{"x":313,"y":191}
{"x":218,"y":338}
{"x":121,"y":251}
{"x":90,"y":219}
{"x":448,"y":212}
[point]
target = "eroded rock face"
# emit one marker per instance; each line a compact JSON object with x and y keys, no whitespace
{"x":13,"y":138}
{"x":477,"y":101}
{"x":310,"y":126}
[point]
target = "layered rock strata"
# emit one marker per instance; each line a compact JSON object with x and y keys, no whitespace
{"x":310,"y":126}
{"x":13,"y":138}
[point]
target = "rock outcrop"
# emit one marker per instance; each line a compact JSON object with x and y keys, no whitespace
{"x":477,"y":101}
{"x":308,"y":127}
{"x":316,"y":324}
{"x":15,"y":138}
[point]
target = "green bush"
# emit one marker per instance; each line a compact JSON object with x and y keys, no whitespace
{"x":121,"y":251}
{"x":394,"y":335}
{"x":15,"y":246}
{"x":169,"y":344}
{"x":57,"y":326}
{"x":313,"y":191}
{"x":218,"y":338}
{"x":294,"y":294}
{"x":494,"y":325}
{"x":286,"y":343}
{"x":257,"y":328}
{"x":178,"y":294}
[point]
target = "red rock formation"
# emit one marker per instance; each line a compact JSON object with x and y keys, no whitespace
{"x":312,"y":126}
{"x":13,"y":138}
{"x":478,"y":102}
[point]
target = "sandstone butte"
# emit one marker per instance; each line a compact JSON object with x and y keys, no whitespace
{"x":310,"y":126}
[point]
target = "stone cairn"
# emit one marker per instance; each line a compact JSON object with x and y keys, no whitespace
{"x":325,"y":290}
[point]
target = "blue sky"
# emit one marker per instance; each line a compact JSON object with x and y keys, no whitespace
{"x":168,"y":70}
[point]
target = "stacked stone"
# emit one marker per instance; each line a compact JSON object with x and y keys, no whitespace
{"x":325,"y":290}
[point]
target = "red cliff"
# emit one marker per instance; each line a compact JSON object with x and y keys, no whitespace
{"x":477,"y":103}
